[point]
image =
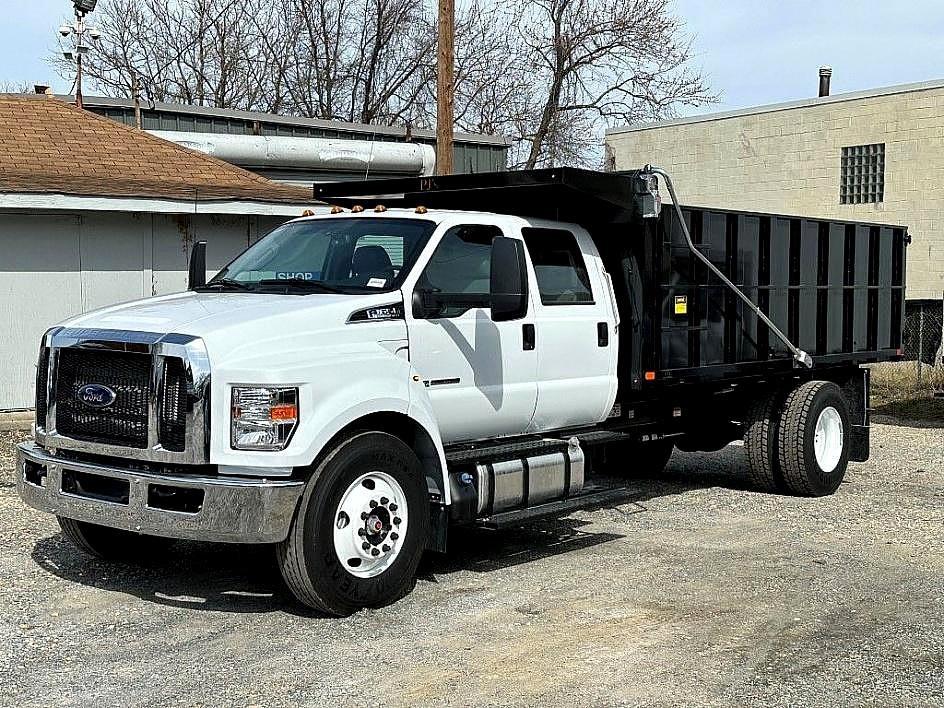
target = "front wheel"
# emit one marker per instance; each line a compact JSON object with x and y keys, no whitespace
{"x":361,"y":528}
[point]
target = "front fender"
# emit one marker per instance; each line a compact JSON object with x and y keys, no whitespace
{"x":336,"y":390}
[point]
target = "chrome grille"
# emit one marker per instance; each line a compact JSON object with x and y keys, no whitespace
{"x":160,"y":383}
{"x":173,"y":409}
{"x":128,"y":374}
{"x":42,"y":383}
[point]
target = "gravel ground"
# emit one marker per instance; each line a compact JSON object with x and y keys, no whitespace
{"x":697,"y":592}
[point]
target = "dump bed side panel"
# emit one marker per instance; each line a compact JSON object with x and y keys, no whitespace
{"x":836,"y":289}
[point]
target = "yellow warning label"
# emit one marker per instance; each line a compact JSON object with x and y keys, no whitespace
{"x":681,"y":304}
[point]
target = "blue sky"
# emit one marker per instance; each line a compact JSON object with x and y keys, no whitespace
{"x":753,"y":52}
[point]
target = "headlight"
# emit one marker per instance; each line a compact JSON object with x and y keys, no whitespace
{"x":263,"y":417}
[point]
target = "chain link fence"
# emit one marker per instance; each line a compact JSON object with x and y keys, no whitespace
{"x":922,"y":372}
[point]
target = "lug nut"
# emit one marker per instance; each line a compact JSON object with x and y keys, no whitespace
{"x":365,"y":546}
{"x":385,"y":548}
{"x":384,"y":500}
{"x":394,"y":536}
{"x":375,"y":552}
{"x":361,"y":532}
{"x":393,"y":507}
{"x":396,"y":520}
{"x":364,"y":516}
{"x":373,"y":503}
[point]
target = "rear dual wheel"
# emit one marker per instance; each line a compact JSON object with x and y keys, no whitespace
{"x":798,"y":441}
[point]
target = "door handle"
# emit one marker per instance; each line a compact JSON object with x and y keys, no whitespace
{"x":527,"y":337}
{"x":603,"y":334}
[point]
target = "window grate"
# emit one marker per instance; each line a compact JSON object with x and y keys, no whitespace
{"x":862,"y":174}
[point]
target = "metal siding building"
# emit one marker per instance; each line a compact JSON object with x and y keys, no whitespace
{"x":875,"y":156}
{"x":473,"y":153}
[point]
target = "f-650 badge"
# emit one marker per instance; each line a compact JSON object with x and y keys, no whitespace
{"x":96,"y":395}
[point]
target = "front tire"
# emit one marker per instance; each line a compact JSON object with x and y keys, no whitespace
{"x":112,"y":544}
{"x":360,"y":529}
{"x":814,"y":439}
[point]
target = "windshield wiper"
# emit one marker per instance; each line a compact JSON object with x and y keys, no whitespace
{"x":301,"y":284}
{"x":224,"y":283}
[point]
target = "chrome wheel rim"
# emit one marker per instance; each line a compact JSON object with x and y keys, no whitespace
{"x":828,"y":439}
{"x":370,"y":524}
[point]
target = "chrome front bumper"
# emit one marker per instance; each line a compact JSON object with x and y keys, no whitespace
{"x":229,"y":510}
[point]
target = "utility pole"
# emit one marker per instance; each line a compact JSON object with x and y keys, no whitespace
{"x":78,"y":62}
{"x":78,"y":31}
{"x":136,"y":97}
{"x":445,"y":86}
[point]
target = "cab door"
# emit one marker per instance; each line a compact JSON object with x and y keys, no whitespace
{"x":480,"y":374}
{"x":575,"y":322}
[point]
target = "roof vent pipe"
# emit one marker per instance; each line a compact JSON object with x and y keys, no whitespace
{"x":825,"y":72}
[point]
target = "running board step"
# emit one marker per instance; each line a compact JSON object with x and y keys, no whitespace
{"x":601,"y":497}
{"x":521,"y":448}
{"x":533,"y":446}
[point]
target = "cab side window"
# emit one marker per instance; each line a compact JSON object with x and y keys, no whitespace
{"x":559,"y":267}
{"x":461,"y":265}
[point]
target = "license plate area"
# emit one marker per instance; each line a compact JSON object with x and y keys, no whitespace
{"x":95,"y":486}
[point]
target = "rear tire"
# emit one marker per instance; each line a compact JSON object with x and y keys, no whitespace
{"x":761,"y":444}
{"x":371,"y":483}
{"x":814,"y":439}
{"x":113,"y":544}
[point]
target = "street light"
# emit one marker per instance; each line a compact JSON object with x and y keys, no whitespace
{"x":78,"y":30}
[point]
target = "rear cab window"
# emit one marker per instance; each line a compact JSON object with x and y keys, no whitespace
{"x":559,"y":266}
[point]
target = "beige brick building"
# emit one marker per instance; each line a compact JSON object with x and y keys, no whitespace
{"x":868,"y":156}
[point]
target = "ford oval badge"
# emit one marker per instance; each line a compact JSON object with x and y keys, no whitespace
{"x":96,"y":395}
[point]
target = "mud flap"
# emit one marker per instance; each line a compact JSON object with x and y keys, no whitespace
{"x":856,"y":392}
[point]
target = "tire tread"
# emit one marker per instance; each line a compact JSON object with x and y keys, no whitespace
{"x":761,"y":442}
{"x":796,"y":416}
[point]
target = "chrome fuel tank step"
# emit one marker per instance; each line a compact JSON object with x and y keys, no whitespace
{"x":554,"y":471}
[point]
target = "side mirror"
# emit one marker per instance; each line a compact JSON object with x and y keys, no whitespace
{"x":508,"y":280}
{"x":425,"y":305}
{"x":198,"y":269}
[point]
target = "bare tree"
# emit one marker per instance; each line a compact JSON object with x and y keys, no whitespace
{"x":601,"y":61}
{"x":549,"y":74}
{"x":15,"y":87}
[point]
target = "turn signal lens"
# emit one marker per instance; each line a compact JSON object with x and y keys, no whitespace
{"x":650,"y":376}
{"x":284,"y":411}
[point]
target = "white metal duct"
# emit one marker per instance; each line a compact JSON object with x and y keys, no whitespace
{"x":322,"y":154}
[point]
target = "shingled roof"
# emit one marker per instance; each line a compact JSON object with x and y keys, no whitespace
{"x":49,"y":146}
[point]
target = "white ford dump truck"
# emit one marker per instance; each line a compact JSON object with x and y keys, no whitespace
{"x":459,"y":350}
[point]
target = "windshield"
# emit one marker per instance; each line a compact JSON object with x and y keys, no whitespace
{"x":334,"y":255}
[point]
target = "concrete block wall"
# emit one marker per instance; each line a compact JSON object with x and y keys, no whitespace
{"x":787,"y":160}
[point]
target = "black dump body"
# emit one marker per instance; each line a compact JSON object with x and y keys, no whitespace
{"x":836,"y":289}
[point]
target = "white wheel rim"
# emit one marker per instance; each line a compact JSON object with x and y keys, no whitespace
{"x":370,"y":524}
{"x":827,"y":441}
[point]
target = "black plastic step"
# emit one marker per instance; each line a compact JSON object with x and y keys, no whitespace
{"x":593,"y":497}
{"x":521,"y":448}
